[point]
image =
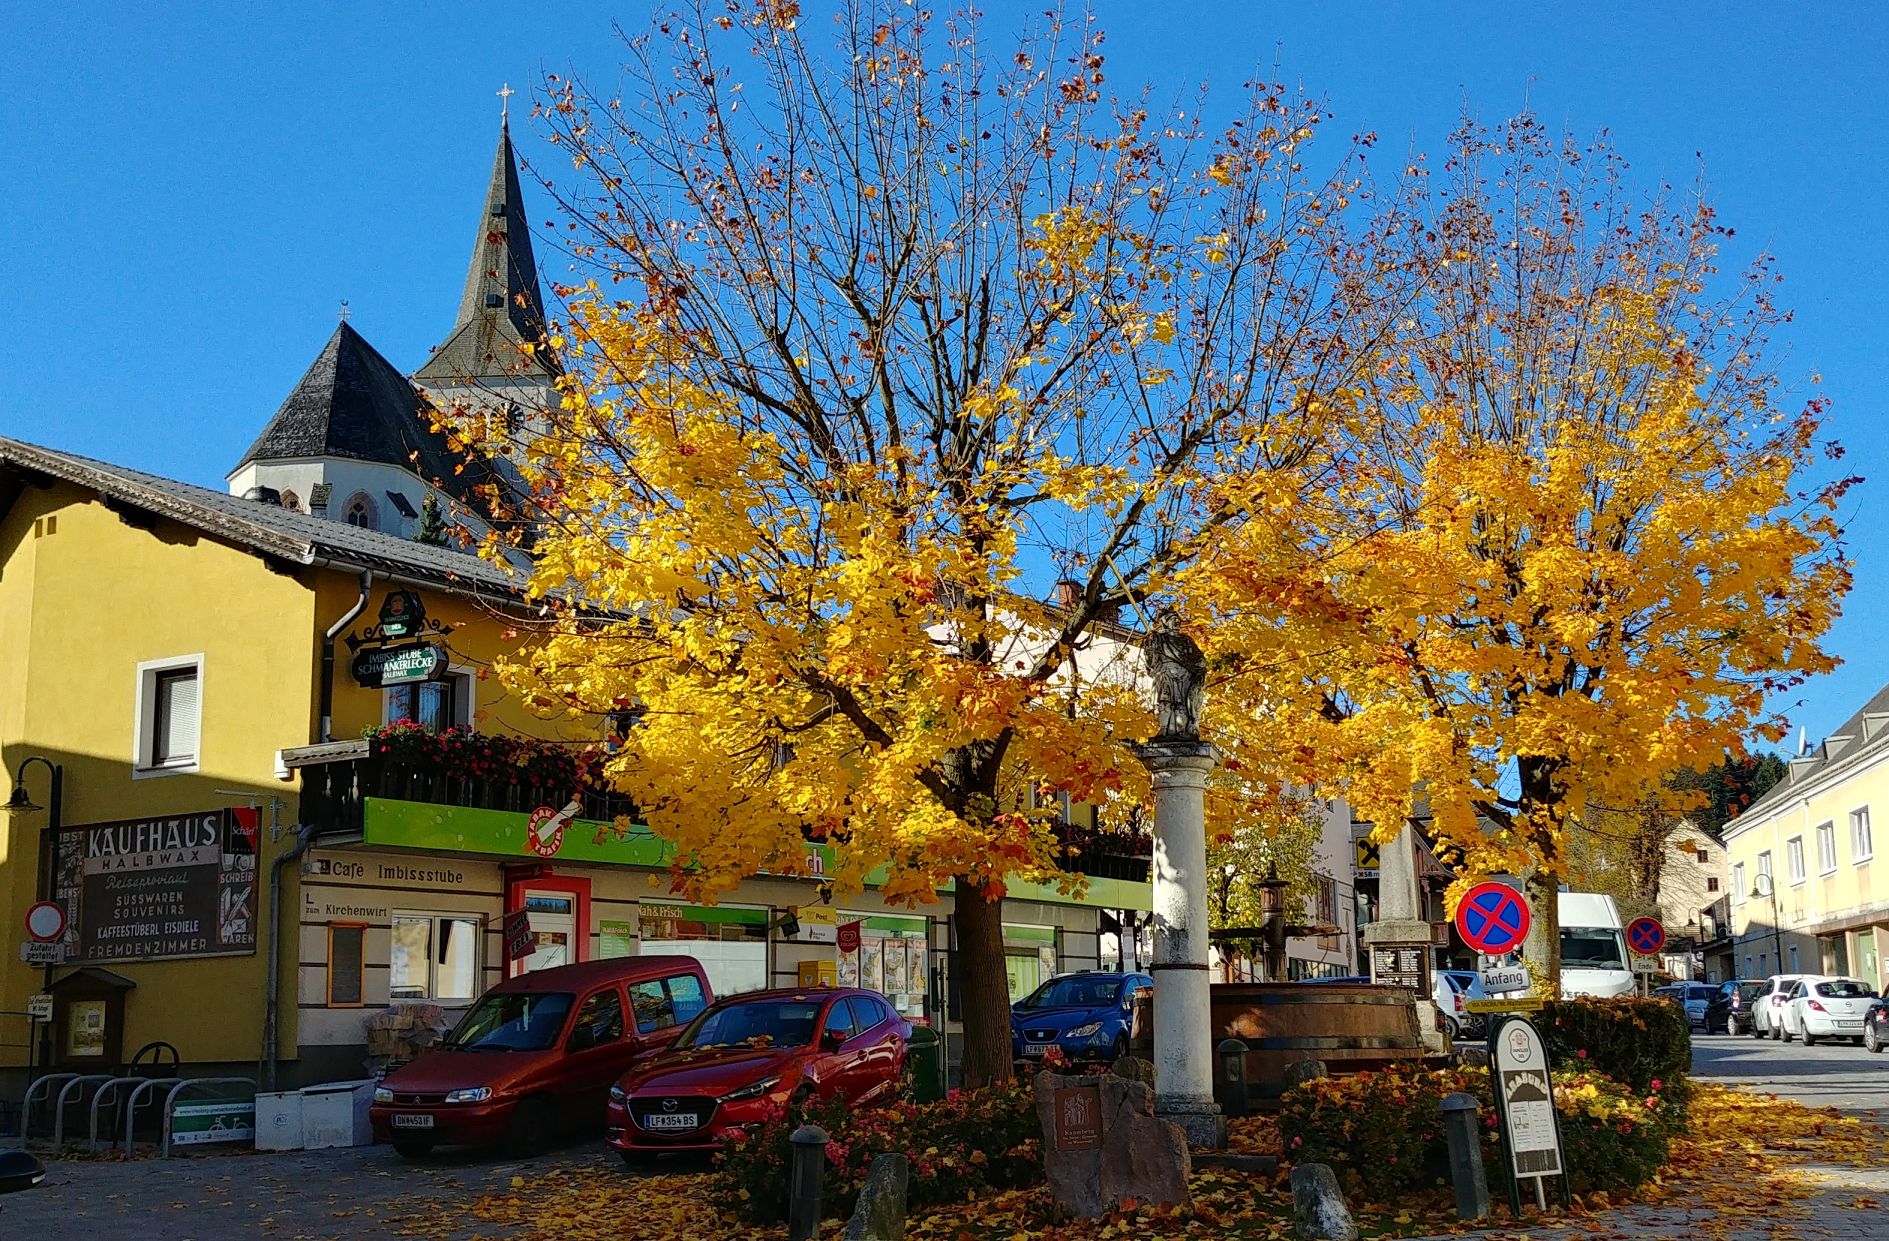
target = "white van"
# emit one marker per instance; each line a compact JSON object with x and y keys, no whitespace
{"x":1593,"y":946}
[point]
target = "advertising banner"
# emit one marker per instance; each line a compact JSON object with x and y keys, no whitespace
{"x":150,"y":889}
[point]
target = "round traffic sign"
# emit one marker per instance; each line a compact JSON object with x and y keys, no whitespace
{"x":1646,"y":936}
{"x":46,"y":922}
{"x":1493,"y":918}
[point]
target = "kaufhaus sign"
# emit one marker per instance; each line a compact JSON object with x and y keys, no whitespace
{"x":150,"y":889}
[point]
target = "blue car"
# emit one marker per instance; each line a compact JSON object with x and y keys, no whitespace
{"x":1085,"y":1016}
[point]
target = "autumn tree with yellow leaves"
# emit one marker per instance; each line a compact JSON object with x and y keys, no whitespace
{"x":877,"y":342}
{"x":1582,"y":535}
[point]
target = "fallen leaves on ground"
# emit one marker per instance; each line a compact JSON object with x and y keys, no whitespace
{"x":1746,"y":1157}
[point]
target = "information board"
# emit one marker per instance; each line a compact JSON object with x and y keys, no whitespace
{"x":1402,"y":965}
{"x":147,"y":889}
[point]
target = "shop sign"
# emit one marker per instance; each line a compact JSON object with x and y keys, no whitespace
{"x":848,"y":937}
{"x":383,"y":666}
{"x":402,"y":614}
{"x":518,"y":937}
{"x":198,"y":1124}
{"x":148,"y":889}
{"x":1525,"y":1093}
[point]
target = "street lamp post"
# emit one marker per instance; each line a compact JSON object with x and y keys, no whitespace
{"x":1766,"y":885}
{"x":21,"y":802}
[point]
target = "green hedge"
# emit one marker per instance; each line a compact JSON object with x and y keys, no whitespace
{"x":1631,"y":1039}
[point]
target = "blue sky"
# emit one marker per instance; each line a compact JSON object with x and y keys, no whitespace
{"x":193,"y":190}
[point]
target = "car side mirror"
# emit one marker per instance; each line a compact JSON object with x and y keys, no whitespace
{"x":830,"y":1040}
{"x":583,"y":1038}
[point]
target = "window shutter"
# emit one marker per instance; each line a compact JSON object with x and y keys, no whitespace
{"x":176,"y":732}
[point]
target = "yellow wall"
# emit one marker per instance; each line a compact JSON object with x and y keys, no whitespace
{"x":1819,"y":905}
{"x":79,"y":609}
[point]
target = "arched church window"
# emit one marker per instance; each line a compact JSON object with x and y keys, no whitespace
{"x":359,"y":511}
{"x":291,"y":502}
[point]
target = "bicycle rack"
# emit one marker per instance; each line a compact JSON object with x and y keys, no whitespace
{"x":170,"y":1100}
{"x":49,"y":1080}
{"x":98,"y":1100}
{"x":59,"y":1109}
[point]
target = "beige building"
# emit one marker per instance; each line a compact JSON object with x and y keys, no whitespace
{"x":1692,"y":901}
{"x":1805,"y":893}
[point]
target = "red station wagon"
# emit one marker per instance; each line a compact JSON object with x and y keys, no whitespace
{"x":537,"y":1054}
{"x":748,"y":1057}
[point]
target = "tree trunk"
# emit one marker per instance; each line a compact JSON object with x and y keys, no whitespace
{"x":1541,"y":793}
{"x":982,"y":983}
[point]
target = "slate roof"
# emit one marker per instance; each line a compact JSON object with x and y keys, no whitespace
{"x":276,"y":533}
{"x":353,"y":403}
{"x":1848,"y":747}
{"x":501,"y":309}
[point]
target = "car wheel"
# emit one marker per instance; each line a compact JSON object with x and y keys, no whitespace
{"x":1810,"y":1040}
{"x":1784,"y":1033}
{"x":413,"y":1148}
{"x":1119,"y":1049}
{"x":1451,"y":1029}
{"x":1872,"y":1041}
{"x":533,"y":1125}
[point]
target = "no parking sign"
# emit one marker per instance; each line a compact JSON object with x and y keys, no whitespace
{"x":1493,"y":919}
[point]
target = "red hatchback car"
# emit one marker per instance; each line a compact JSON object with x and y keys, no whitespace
{"x":748,"y":1056}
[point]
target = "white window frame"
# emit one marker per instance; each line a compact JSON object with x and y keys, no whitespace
{"x":144,"y":717}
{"x":1863,"y":842}
{"x":434,"y":917}
{"x":465,"y":710}
{"x":1827,"y":847}
{"x":1738,"y":884}
{"x":1794,"y":859}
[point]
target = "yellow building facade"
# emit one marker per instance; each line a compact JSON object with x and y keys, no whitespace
{"x":1805,"y":893}
{"x":162,"y":647}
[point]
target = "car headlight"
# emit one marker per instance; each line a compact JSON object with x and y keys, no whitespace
{"x":753,"y":1090}
{"x":383,"y":1095}
{"x":1083,"y":1031}
{"x":473,"y":1094}
{"x":619,"y":1095}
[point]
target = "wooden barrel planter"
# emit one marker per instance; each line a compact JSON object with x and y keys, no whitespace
{"x":1349,"y":1026}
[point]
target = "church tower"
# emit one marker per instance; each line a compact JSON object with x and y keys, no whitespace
{"x":496,"y":355}
{"x":355,"y":442}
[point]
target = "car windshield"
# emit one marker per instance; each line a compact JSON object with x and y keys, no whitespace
{"x":1845,"y":989}
{"x":1075,"y":993}
{"x":516,"y":1021}
{"x":754,"y":1023}
{"x":1750,"y":990}
{"x":1592,"y":948}
{"x":1699,"y":992}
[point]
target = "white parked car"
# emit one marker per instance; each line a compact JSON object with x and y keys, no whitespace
{"x":1767,"y":1008}
{"x":1826,"y":1006}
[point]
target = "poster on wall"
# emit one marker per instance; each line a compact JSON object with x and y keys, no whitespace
{"x":872,"y":964}
{"x":916,"y":976}
{"x":895,"y":967}
{"x":149,"y":889}
{"x":849,"y":969}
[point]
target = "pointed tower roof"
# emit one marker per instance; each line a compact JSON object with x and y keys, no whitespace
{"x":352,"y":403}
{"x":501,"y":308}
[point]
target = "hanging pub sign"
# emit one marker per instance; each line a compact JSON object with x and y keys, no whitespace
{"x":146,"y":889}
{"x":382,"y":666}
{"x":402,"y":614}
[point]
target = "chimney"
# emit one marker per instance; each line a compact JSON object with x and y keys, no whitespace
{"x":1068,"y":593}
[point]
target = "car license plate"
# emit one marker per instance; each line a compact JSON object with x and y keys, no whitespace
{"x":669,"y":1120}
{"x":412,"y":1120}
{"x":1038,"y":1049}
{"x":1858,"y":1023}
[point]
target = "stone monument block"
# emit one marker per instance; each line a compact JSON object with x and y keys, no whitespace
{"x":1319,"y":1212}
{"x":880,"y":1213}
{"x":1102,"y":1143}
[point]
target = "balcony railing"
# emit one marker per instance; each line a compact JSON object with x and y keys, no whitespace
{"x":1106,"y":855}
{"x":338,"y":778}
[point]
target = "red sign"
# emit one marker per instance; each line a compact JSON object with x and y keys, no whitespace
{"x":518,"y":938}
{"x":1646,"y":936}
{"x":848,"y":936}
{"x":1493,"y":919}
{"x":46,"y":922}
{"x":544,"y":831}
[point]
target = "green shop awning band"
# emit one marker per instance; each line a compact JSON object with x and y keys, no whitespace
{"x":506,"y":834}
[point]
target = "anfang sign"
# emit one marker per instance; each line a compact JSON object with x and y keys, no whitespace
{"x":400,"y":665}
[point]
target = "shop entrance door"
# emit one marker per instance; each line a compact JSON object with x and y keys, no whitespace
{"x":553,"y":930}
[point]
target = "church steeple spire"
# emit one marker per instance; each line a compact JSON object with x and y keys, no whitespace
{"x":501,"y":308}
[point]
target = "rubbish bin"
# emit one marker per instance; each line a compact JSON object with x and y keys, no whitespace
{"x":927,"y":1053}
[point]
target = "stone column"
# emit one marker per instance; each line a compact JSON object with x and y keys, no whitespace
{"x":1400,"y":930}
{"x":1183,"y":1033}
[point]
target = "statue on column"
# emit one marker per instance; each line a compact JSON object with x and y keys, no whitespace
{"x":1179,"y":671}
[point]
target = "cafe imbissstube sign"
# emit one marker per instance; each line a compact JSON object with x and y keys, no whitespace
{"x":177,"y":886}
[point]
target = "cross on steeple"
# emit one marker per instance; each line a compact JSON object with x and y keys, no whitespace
{"x":505,"y":94}
{"x":344,"y":310}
